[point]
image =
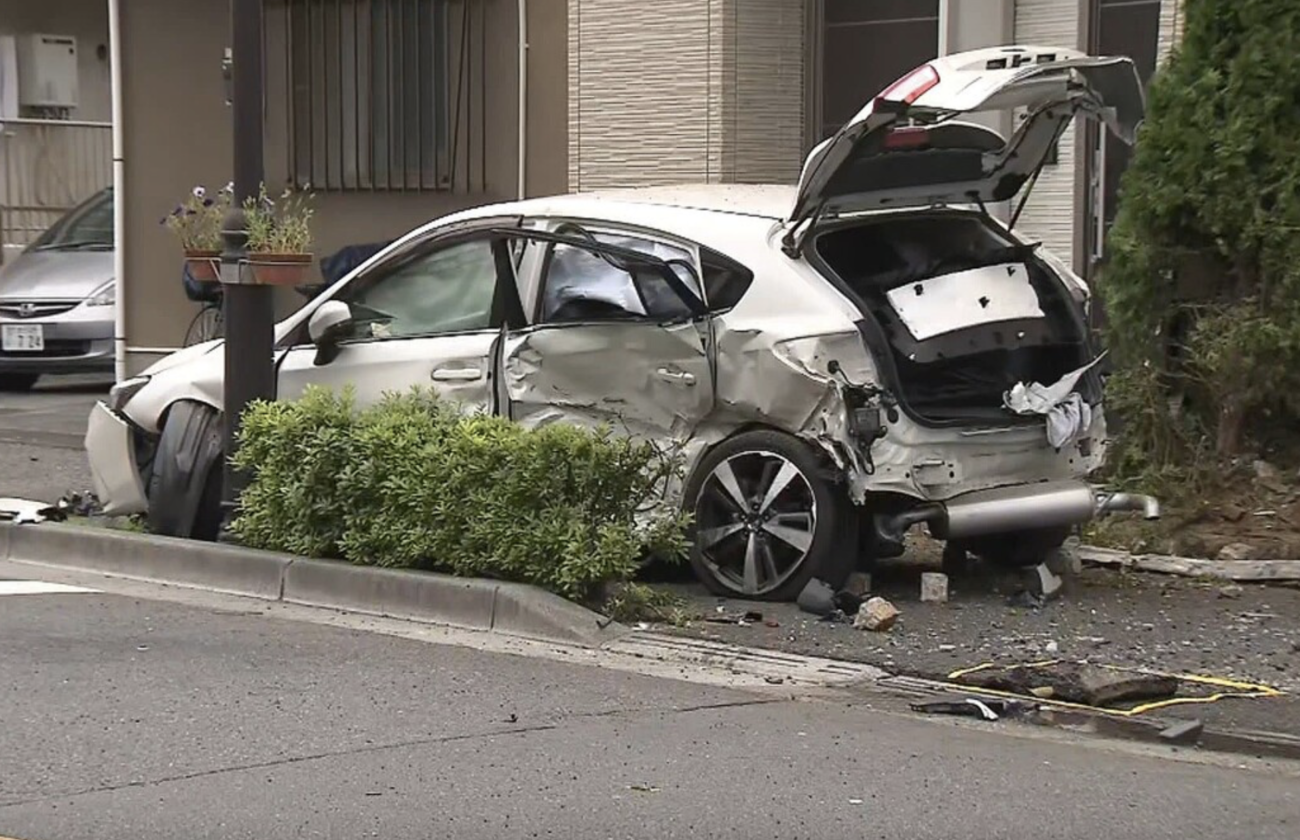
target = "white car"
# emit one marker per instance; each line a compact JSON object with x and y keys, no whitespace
{"x":840,"y":361}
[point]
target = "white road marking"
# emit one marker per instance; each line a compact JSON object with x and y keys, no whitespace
{"x":37,"y":587}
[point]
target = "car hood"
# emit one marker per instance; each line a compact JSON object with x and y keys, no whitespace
{"x":905,"y":149}
{"x":56,"y":275}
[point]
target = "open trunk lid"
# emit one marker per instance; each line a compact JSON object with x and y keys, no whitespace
{"x":906,"y":148}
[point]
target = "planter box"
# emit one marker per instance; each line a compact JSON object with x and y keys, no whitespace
{"x":279,"y":269}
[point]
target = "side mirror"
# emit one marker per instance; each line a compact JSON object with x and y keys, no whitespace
{"x":328,"y":324}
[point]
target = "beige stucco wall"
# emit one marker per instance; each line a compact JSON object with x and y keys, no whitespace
{"x":685,"y":91}
{"x":87,"y":21}
{"x":178,"y":133}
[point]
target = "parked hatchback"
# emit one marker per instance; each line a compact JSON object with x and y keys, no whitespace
{"x":56,"y":299}
{"x":839,"y":361}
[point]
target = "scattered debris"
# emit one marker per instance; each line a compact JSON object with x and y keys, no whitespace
{"x":643,"y":788}
{"x":985,"y":708}
{"x":877,"y":615}
{"x":1231,"y":591}
{"x":836,"y":617}
{"x":80,"y":504}
{"x":1073,"y":682}
{"x":774,"y":680}
{"x":1052,"y":648}
{"x":858,"y":583}
{"x":1238,"y":570}
{"x":29,"y":512}
{"x":771,"y":622}
{"x":947,"y":648}
{"x":934,"y":587}
{"x":817,"y":598}
{"x":1043,"y":582}
{"x":753,"y":616}
{"x":1043,"y":692}
{"x":1237,"y":552}
{"x":1187,"y":732}
{"x":846,"y":602}
{"x":1025,"y":600}
{"x":1266,"y":472}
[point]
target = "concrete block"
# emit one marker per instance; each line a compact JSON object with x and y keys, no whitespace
{"x":222,"y":568}
{"x":394,"y":593}
{"x":934,"y":587}
{"x":523,"y":610}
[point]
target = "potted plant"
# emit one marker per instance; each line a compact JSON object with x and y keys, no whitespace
{"x":197,"y":222}
{"x":279,"y":237}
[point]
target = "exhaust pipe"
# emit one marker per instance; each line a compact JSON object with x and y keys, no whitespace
{"x":1120,"y":502}
{"x":1004,"y":510}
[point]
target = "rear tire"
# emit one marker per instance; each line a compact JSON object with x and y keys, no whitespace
{"x":768,"y":519}
{"x":19,"y":383}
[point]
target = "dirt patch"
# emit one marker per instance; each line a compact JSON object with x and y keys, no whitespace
{"x":1249,"y":511}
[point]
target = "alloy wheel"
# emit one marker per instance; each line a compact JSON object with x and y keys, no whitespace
{"x":755,"y":519}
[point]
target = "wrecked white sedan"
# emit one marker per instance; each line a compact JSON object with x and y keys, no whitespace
{"x":840,"y":362}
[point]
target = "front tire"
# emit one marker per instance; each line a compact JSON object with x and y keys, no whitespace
{"x":768,"y":519}
{"x":185,"y":483}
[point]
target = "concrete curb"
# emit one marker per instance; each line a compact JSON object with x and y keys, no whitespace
{"x":474,"y":603}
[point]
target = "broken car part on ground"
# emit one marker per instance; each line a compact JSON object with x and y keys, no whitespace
{"x":835,"y":361}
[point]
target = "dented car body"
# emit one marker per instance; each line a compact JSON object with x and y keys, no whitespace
{"x":835,"y":361}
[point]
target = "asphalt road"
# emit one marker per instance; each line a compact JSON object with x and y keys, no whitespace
{"x":41,"y":433}
{"x":124,"y":716}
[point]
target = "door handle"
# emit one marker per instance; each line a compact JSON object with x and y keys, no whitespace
{"x":679,"y":377}
{"x":456,"y":374}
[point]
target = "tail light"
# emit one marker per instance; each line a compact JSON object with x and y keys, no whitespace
{"x":912,"y":86}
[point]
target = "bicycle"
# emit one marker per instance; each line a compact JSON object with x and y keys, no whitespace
{"x":208,"y":324}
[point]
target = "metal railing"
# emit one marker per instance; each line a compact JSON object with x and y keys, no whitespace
{"x":47,"y":167}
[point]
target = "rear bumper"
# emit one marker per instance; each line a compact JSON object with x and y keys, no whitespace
{"x":110,"y":448}
{"x":1007,"y":510}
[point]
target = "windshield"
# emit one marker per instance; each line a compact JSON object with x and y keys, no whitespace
{"x":88,"y":227}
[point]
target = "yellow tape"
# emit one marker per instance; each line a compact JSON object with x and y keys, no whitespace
{"x":1238,"y":689}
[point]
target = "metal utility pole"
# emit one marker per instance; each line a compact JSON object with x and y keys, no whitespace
{"x":248,"y":307}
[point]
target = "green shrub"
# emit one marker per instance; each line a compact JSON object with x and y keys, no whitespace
{"x":1202,"y":281}
{"x":413,"y":483}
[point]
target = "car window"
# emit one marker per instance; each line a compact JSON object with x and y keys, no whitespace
{"x":584,"y":286}
{"x":448,"y":290}
{"x":88,"y":227}
{"x":725,"y":280}
{"x":655,"y":248}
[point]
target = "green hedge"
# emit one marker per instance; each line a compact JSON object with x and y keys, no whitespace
{"x":410,"y":482}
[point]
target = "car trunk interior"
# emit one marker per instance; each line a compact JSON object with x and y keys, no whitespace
{"x":964,"y":312}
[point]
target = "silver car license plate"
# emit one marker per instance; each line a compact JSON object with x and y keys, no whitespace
{"x":22,"y":338}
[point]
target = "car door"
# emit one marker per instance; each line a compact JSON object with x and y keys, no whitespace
{"x":429,"y":315}
{"x":618,"y":335}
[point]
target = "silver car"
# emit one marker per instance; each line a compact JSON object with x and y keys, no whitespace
{"x":839,"y":362}
{"x":56,"y":299}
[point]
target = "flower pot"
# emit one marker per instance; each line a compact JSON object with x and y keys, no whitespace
{"x":204,"y":266}
{"x":279,"y":269}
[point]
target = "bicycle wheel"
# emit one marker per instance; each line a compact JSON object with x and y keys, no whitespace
{"x":207,"y":325}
